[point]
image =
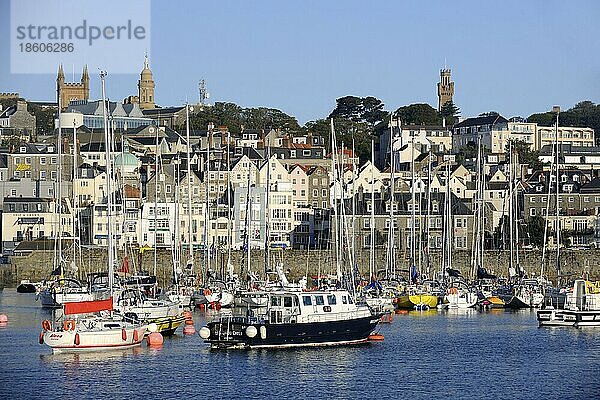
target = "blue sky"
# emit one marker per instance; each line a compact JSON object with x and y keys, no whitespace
{"x":514,"y":57}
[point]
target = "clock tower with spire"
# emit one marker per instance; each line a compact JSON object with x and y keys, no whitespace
{"x":146,"y":87}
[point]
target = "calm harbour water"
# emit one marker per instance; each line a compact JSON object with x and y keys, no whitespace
{"x":431,"y":355}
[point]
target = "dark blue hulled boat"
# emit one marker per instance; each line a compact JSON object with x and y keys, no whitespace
{"x":292,"y":319}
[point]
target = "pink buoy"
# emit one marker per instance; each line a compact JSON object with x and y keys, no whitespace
{"x":155,"y":339}
{"x":3,"y":318}
{"x":189,"y":330}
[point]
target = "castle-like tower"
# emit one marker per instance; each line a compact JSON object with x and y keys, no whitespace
{"x":445,"y":88}
{"x":70,"y":90}
{"x":146,"y":88}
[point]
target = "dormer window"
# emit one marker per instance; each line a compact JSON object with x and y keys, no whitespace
{"x":539,"y":188}
{"x":23,"y":149}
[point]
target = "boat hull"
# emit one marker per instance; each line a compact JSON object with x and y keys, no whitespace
{"x":231,"y":333}
{"x":409,"y":302}
{"x":167,"y":325}
{"x":569,"y":318}
{"x":65,"y":341}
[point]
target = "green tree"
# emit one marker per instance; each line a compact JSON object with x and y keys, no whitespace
{"x":418,"y":114}
{"x":356,"y":109}
{"x":236,"y":117}
{"x":450,"y":112}
{"x":466,"y":152}
{"x":535,"y":230}
{"x":348,"y":107}
{"x":373,"y":111}
{"x":525,"y":154}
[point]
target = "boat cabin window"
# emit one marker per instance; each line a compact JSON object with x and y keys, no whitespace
{"x":287,"y":301}
{"x":319,"y":300}
{"x":306,"y":300}
{"x":276,"y":301}
{"x":344,"y":300}
{"x":331,"y":299}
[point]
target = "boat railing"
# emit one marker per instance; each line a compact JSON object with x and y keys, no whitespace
{"x":337,"y":316}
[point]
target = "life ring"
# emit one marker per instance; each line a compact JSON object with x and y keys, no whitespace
{"x":69,"y":325}
{"x":207,"y":292}
{"x":452,"y":290}
{"x":46,"y":325}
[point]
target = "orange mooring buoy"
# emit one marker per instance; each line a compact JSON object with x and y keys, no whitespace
{"x":155,"y":339}
{"x":386,"y":319}
{"x":376,"y":337}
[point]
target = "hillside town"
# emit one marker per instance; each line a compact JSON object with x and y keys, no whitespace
{"x":249,"y":184}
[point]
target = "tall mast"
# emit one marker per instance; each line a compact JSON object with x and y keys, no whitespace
{"x":190,"y":262}
{"x":177,"y":238}
{"x":206,"y":261}
{"x":59,"y":189}
{"x":228,"y":205}
{"x":156,"y":183}
{"x":353,"y":228}
{"x":391,"y":232}
{"x":107,"y":141}
{"x":372,"y":241}
{"x":510,"y":211}
{"x":73,"y":207}
{"x":412,"y":199}
{"x":556,"y":109}
{"x":268,"y":211}
{"x":248,"y":219}
{"x":334,"y":174}
{"x":428,"y":214}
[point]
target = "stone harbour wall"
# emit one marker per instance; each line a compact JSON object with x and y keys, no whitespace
{"x":38,"y":265}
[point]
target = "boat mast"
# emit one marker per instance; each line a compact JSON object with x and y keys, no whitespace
{"x":268,"y":211}
{"x":74,"y":193}
{"x":354,"y":264}
{"x":428,"y":215}
{"x":412,"y":199}
{"x":107,"y":141}
{"x":206,"y":260}
{"x":336,"y":182}
{"x":156,"y":183}
{"x":372,"y":241}
{"x":58,"y":258}
{"x":511,"y":264}
{"x":248,"y":220}
{"x":556,"y":109}
{"x":391,"y":264}
{"x":547,"y":214}
{"x":190,"y":262}
{"x":229,"y":209}
{"x":176,"y":229}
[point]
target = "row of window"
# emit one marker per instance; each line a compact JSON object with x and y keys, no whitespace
{"x":570,"y":199}
{"x":27,"y":160}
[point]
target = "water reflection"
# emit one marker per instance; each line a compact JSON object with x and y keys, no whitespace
{"x":428,"y":354}
{"x":87,"y":358}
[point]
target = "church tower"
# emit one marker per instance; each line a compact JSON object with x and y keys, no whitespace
{"x":445,"y":88}
{"x":69,"y":91}
{"x":146,"y":87}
